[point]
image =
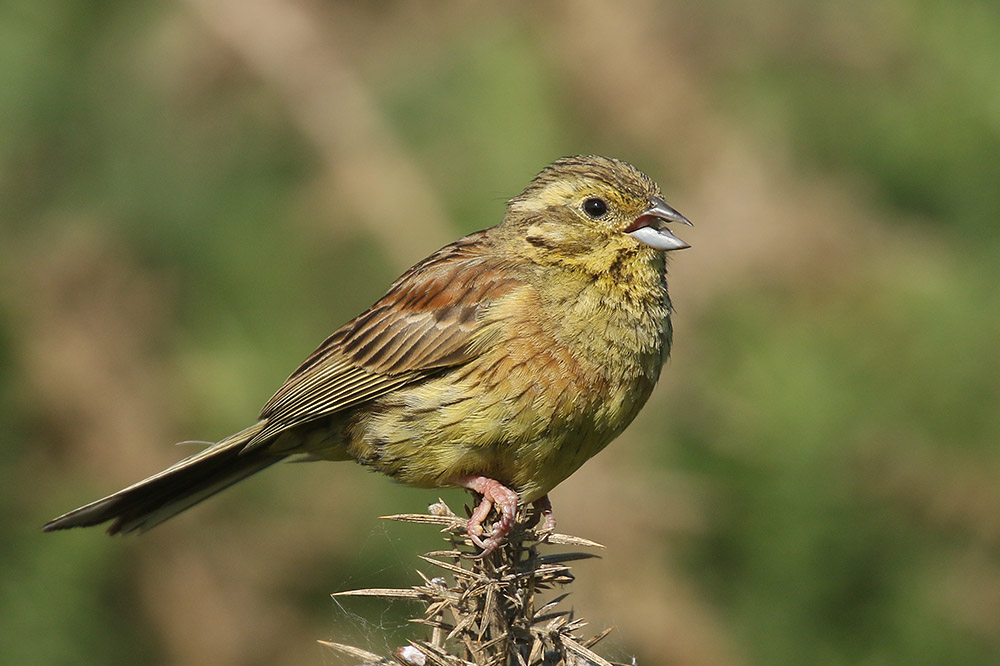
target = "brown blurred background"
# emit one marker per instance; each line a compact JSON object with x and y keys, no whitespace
{"x":193,"y":194}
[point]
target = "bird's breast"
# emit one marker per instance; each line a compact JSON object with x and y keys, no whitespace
{"x":562,"y":375}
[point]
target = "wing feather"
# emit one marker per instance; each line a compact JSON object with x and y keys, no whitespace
{"x":428,"y":320}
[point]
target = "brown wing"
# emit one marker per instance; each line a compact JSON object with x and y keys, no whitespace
{"x":428,"y":320}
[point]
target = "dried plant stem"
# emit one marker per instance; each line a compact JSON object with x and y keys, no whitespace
{"x":490,"y":614}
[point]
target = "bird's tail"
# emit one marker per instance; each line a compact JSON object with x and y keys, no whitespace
{"x":162,"y":496}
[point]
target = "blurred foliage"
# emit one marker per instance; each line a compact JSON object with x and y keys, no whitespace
{"x":177,"y":233}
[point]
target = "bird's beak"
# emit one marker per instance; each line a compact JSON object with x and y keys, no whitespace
{"x":650,"y":227}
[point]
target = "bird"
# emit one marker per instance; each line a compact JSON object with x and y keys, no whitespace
{"x":499,"y":364}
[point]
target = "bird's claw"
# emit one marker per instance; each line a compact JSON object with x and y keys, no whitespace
{"x":546,"y":518}
{"x":504,"y":498}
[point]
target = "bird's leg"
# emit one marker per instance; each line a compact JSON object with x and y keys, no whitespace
{"x":493,"y":492}
{"x":547,"y":519}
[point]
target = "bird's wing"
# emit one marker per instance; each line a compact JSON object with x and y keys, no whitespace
{"x":431,"y":318}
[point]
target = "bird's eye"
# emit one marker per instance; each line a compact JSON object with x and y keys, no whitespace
{"x":595,"y":207}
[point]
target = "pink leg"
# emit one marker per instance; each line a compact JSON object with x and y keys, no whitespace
{"x":493,"y":492}
{"x":547,"y":522}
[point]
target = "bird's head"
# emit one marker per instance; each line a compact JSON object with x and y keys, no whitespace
{"x":590,"y":209}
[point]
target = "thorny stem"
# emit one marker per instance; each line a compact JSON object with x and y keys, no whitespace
{"x":488,"y":616}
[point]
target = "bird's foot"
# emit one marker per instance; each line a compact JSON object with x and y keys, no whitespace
{"x":504,"y":498}
{"x":546,"y":518}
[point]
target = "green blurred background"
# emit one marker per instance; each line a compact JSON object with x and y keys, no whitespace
{"x":194,"y":194}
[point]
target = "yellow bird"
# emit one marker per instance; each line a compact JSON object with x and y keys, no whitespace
{"x":500,"y":363}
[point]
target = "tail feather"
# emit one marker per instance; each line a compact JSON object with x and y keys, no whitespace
{"x":151,"y":501}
